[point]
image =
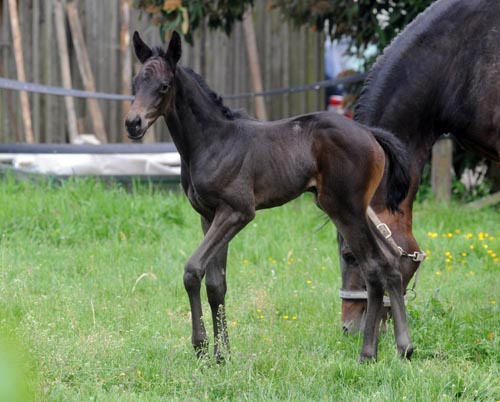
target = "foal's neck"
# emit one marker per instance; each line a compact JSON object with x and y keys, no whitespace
{"x":193,"y":118}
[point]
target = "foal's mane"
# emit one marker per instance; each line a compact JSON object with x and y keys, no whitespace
{"x":217,"y":100}
{"x":228,"y":113}
{"x":383,"y":72}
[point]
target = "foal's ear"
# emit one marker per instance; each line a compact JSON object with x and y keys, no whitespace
{"x":174,"y":50}
{"x":142,"y":51}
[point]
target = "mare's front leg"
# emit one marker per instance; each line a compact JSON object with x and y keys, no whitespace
{"x":215,"y":281}
{"x":226,"y":223}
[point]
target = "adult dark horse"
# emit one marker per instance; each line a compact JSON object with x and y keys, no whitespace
{"x":440,"y":75}
{"x":233,"y":165}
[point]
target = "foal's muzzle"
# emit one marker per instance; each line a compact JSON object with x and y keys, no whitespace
{"x":135,"y":128}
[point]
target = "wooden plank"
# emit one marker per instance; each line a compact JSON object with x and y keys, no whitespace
{"x":65,"y":69}
{"x":442,"y":155}
{"x":126,"y":59}
{"x":253,"y":61}
{"x":285,"y":100}
{"x":112,"y":67}
{"x":35,"y":51}
{"x":85,"y":70}
{"x":50,"y":133}
{"x":21,"y":76}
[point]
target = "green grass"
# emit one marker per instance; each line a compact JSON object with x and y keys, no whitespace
{"x":92,"y":304}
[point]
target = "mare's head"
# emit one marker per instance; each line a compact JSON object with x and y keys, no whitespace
{"x":153,"y":84}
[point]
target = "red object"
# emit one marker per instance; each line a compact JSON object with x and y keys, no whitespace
{"x":336,"y":100}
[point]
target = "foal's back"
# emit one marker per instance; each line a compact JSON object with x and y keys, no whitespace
{"x":290,"y":156}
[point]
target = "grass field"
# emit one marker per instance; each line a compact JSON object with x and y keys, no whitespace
{"x":93,"y":308}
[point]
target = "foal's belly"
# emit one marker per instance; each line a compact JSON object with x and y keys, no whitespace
{"x":281,"y":184}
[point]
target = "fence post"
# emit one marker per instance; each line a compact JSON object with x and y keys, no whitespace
{"x":441,"y":169}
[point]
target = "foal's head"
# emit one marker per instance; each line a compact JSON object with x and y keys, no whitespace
{"x":152,"y":85}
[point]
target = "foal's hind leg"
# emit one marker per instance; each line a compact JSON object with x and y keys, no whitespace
{"x":394,"y":284}
{"x":215,"y":281}
{"x":351,"y":220}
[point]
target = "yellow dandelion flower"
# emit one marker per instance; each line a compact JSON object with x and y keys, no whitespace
{"x":309,"y":281}
{"x":285,"y":317}
{"x":464,"y":254}
{"x":448,"y":260}
{"x":457,"y":231}
{"x":139,"y":374}
{"x":438,"y":273}
{"x":485,"y":246}
{"x":469,"y":235}
{"x":261,"y":317}
{"x":471,"y":246}
{"x":496,"y":260}
{"x":258,"y":310}
{"x":323,"y":267}
{"x":245,"y":262}
{"x":493,"y":302}
{"x":449,"y":268}
{"x":449,"y":235}
{"x":294,"y":317}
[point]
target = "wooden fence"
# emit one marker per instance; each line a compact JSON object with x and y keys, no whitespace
{"x":288,"y":56}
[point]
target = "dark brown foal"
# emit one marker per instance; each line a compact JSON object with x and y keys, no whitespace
{"x":233,"y":165}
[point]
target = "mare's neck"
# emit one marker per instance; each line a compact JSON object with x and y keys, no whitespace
{"x":416,"y":89}
{"x":193,"y":118}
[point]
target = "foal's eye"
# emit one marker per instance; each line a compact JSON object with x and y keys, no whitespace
{"x":164,"y":88}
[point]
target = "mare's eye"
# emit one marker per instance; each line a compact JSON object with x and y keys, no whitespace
{"x":164,"y":88}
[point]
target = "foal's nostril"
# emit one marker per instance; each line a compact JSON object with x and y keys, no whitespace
{"x":133,"y":124}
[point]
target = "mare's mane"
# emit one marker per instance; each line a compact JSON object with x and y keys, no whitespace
{"x":384,"y":70}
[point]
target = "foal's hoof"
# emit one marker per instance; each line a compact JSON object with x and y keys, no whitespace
{"x":405,"y":351}
{"x":201,"y":351}
{"x":365,"y":359}
{"x":221,"y":358}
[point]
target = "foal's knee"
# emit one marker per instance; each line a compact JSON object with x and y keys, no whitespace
{"x":216,"y":289}
{"x":193,"y":276}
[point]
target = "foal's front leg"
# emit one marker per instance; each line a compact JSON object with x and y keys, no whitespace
{"x":226,"y":224}
{"x":215,"y":281}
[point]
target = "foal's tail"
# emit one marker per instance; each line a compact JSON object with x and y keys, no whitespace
{"x":398,"y":171}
